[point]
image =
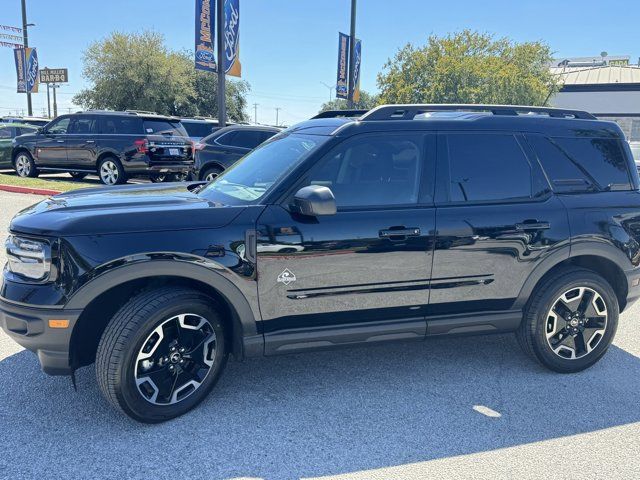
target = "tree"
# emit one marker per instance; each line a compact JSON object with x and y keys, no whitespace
{"x":367,"y":102}
{"x":138,"y":72}
{"x":469,"y":67}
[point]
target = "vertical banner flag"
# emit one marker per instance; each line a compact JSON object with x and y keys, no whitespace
{"x":357,"y":54}
{"x":342,"y":84}
{"x":31,"y":69}
{"x":18,"y":54}
{"x":232,"y":38}
{"x":205,"y":19}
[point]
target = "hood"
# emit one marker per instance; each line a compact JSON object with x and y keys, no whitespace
{"x":123,"y":209}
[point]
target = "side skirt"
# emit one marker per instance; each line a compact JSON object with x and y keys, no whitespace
{"x":417,"y":328}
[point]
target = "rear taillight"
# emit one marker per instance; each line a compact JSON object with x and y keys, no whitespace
{"x":142,"y":145}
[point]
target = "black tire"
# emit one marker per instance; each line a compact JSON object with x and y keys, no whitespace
{"x":538,"y":319}
{"x":110,"y":171}
{"x":78,"y":175}
{"x":157,"y":177}
{"x":24,"y":165}
{"x":211,"y":172}
{"x":129,"y":331}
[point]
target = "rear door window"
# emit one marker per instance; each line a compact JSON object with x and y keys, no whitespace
{"x":487,"y":167}
{"x":582,"y":164}
{"x":83,"y":125}
{"x":5,"y":133}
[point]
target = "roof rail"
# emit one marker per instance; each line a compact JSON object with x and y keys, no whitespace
{"x":141,"y":112}
{"x":340,"y":113}
{"x":408,"y":112}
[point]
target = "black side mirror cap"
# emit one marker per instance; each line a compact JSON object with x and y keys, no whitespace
{"x":315,"y":201}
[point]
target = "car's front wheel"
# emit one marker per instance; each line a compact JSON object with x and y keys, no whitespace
{"x":161,"y":354}
{"x":24,"y":165}
{"x":570,"y":320}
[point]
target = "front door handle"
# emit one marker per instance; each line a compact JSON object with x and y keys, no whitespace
{"x":532,"y":225}
{"x":90,"y":141}
{"x":60,"y":141}
{"x":394,"y":233}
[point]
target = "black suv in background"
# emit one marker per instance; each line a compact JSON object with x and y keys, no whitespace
{"x":115,"y":145}
{"x":200,"y":127}
{"x":406,"y":223}
{"x":218,"y":151}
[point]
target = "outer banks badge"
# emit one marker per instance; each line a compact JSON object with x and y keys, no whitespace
{"x":286,"y":277}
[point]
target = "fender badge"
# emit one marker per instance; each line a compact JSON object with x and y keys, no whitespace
{"x":286,"y":277}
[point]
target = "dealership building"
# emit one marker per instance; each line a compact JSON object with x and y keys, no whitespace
{"x":608,"y":87}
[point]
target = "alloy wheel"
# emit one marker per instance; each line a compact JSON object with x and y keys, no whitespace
{"x":576,"y":323}
{"x":211,"y":176}
{"x":109,"y":173}
{"x":175,"y":359}
{"x":23,"y":165}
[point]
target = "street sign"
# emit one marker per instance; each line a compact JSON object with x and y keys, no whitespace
{"x":54,"y":75}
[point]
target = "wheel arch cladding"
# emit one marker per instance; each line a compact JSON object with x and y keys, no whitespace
{"x":603,"y":265}
{"x":101,"y":298}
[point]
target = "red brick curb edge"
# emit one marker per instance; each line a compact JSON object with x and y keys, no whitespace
{"x":34,"y":191}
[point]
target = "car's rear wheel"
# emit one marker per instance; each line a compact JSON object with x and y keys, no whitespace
{"x":78,"y":175}
{"x":161,"y":354}
{"x":570,"y":320}
{"x":24,"y":165}
{"x":211,"y":173}
{"x":111,"y":172}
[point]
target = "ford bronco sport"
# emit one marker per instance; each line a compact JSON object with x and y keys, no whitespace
{"x":408,"y":222}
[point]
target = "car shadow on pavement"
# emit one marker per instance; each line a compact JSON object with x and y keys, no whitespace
{"x":316,"y":414}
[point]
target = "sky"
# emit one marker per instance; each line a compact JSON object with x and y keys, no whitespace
{"x":289,"y":47}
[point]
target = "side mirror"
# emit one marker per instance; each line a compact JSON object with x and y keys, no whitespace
{"x":315,"y":201}
{"x":40,"y":130}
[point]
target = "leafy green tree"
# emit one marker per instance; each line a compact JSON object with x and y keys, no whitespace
{"x":469,"y":67}
{"x":367,"y":102}
{"x":138,"y":72}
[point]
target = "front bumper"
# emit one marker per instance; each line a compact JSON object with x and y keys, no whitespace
{"x":30,"y":328}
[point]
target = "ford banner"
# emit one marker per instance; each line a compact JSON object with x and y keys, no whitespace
{"x":232,"y":38}
{"x":205,"y":16}
{"x":18,"y":54}
{"x":342,"y":85}
{"x":31,"y":69}
{"x":357,"y":54}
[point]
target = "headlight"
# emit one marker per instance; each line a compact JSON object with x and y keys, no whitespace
{"x":28,"y":258}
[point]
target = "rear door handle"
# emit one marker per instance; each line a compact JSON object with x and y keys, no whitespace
{"x":60,"y":141}
{"x":90,"y":141}
{"x":526,"y":225}
{"x":399,"y":232}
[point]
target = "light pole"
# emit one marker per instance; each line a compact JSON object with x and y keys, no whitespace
{"x":277,"y":111}
{"x":330,"y":88}
{"x":255,"y":113}
{"x":352,"y":52}
{"x":222,"y":101}
{"x":25,"y":37}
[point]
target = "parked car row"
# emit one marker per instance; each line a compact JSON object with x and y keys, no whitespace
{"x":119,"y":145}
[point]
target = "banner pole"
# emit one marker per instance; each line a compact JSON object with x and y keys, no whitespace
{"x":25,"y":37}
{"x":222,"y":105}
{"x":352,"y":60}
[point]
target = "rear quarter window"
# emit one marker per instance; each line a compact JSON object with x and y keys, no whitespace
{"x":582,"y":164}
{"x":121,"y":126}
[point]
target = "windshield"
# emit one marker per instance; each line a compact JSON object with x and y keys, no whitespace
{"x":254,"y":175}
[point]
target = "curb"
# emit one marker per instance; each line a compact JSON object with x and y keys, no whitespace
{"x":34,"y":191}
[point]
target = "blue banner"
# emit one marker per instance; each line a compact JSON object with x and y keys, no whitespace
{"x":31,"y":69}
{"x":18,"y":54}
{"x":357,"y":59}
{"x":342,"y":84}
{"x":205,"y":19}
{"x":232,"y":38}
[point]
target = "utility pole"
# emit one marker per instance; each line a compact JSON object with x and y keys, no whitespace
{"x":329,"y":87}
{"x":222,"y":100}
{"x":255,"y":113}
{"x":55,"y":103}
{"x":48,"y":102}
{"x":352,"y":52}
{"x":25,"y":37}
{"x":277,"y":111}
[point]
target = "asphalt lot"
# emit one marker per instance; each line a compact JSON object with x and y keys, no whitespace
{"x":410,"y":410}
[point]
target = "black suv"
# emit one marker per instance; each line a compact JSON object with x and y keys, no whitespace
{"x":405,"y":223}
{"x":220,"y":150}
{"x":115,"y":145}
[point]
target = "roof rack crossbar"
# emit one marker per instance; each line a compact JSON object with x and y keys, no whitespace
{"x":141,"y":112}
{"x":408,"y":112}
{"x":340,"y":113}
